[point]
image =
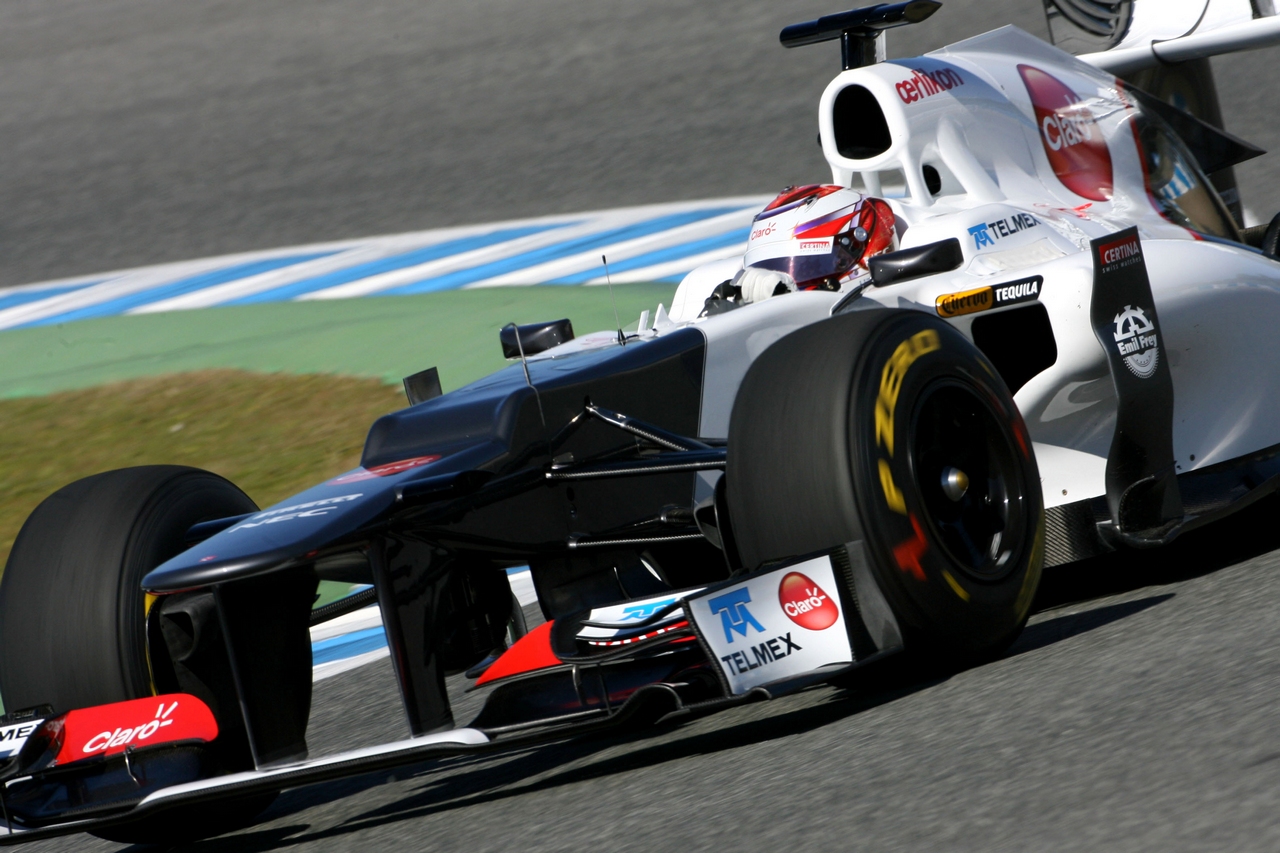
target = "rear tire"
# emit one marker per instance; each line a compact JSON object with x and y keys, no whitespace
{"x":846,"y":429}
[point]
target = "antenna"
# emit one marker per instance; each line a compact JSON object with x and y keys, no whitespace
{"x":622,"y":339}
{"x":525,"y":364}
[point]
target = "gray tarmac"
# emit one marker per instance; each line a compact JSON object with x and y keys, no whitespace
{"x":1137,"y":712}
{"x":139,"y":131}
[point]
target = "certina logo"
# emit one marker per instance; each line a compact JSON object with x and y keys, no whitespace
{"x":1137,"y":341}
{"x":816,"y":247}
{"x":986,"y":233}
{"x":926,"y":84}
{"x":806,"y":603}
{"x":310,"y":509}
{"x":1120,"y":254}
{"x":1071,"y":137}
{"x":734,"y":615}
{"x":104,"y":741}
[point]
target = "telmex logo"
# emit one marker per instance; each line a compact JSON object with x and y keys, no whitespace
{"x":925,"y":84}
{"x":1072,"y":139}
{"x":982,"y":232}
{"x":734,"y":615}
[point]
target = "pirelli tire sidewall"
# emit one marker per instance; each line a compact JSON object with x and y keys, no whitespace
{"x":941,"y":605}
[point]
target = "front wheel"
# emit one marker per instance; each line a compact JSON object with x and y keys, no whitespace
{"x":890,"y":427}
{"x":73,"y":613}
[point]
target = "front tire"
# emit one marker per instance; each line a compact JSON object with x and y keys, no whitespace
{"x":891,"y":428}
{"x":73,"y":613}
{"x":72,"y":610}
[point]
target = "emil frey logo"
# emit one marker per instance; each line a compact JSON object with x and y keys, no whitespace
{"x":986,"y":233}
{"x":1137,"y":341}
{"x":734,"y":615}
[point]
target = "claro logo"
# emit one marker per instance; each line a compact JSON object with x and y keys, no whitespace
{"x":110,"y":729}
{"x":1071,"y":137}
{"x":806,"y":603}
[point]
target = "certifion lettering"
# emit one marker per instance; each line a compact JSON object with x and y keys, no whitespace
{"x":925,"y":84}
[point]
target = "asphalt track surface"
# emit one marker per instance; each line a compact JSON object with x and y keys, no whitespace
{"x":1136,"y":713}
{"x":139,"y":131}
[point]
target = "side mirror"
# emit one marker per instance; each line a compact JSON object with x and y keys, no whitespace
{"x":906,"y":264}
{"x":422,"y":386}
{"x":535,"y":337}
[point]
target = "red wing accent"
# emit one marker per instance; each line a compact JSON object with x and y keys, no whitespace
{"x":530,"y":652}
{"x":108,"y":729}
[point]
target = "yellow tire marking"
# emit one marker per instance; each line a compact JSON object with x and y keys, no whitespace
{"x":892,"y":494}
{"x":955,"y":586}
{"x":895,"y":371}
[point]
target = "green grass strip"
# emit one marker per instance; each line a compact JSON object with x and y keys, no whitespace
{"x":384,"y":337}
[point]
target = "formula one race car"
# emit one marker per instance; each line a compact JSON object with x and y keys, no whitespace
{"x":1020,"y":327}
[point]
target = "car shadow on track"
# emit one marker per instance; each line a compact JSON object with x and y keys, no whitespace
{"x":464,"y":783}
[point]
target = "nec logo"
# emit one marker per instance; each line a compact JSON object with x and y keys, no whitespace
{"x":734,"y":615}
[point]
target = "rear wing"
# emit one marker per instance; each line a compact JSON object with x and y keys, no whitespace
{"x":1148,"y":33}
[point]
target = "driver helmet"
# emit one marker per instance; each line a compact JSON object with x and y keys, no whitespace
{"x":815,"y":237}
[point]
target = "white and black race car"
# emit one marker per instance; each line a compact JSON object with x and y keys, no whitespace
{"x":1020,"y":327}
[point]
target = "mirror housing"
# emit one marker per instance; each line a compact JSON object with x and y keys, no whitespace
{"x":535,"y":337}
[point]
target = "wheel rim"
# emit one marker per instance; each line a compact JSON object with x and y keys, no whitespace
{"x":967,"y":474}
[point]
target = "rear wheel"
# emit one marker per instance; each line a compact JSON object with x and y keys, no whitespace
{"x":889,"y":427}
{"x":73,"y":614}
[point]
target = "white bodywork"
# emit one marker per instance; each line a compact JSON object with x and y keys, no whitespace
{"x":977,"y":125}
